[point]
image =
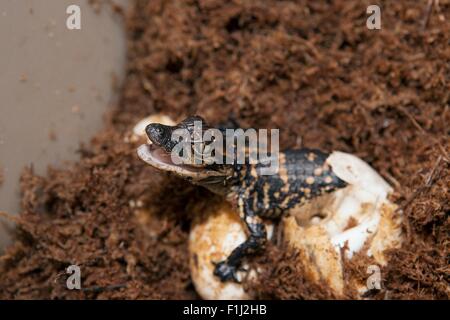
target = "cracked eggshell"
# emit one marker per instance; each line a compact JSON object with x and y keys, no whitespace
{"x":139,"y":129}
{"x":357,"y":217}
{"x":216,"y":231}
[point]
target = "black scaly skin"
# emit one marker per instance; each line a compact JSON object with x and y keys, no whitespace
{"x":303,"y":175}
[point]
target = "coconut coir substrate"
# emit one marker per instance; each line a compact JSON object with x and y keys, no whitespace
{"x":311,"y":68}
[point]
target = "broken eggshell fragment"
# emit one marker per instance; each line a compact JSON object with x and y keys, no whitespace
{"x":354,"y":219}
{"x":216,"y":231}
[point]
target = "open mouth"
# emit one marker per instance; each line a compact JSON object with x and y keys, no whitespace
{"x":160,"y":159}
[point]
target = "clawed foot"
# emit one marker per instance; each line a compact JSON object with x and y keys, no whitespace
{"x":225,"y":272}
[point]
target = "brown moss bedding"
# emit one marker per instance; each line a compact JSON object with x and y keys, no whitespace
{"x":311,"y":68}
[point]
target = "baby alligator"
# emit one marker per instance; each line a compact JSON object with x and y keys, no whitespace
{"x":303,"y":174}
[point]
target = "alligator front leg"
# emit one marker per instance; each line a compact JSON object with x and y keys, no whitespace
{"x":226,"y":269}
